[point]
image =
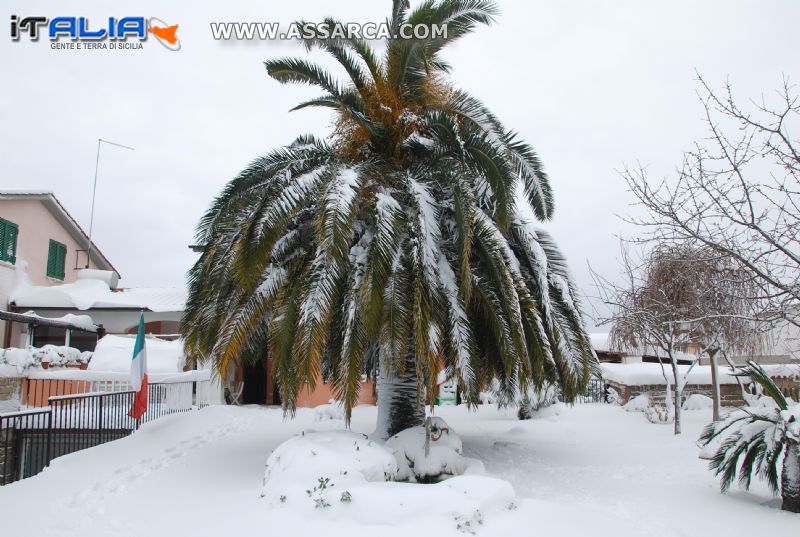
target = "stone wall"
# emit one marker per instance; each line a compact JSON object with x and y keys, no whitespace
{"x":10,"y":389}
{"x":730,"y":394}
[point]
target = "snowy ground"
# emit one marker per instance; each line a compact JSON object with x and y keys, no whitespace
{"x":591,"y":470}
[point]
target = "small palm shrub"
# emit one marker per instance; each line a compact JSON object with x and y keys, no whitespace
{"x":761,"y":442}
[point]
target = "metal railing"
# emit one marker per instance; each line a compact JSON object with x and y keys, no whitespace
{"x":596,"y":392}
{"x":30,"y":439}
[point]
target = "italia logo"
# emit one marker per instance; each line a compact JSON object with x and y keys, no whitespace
{"x":130,"y":30}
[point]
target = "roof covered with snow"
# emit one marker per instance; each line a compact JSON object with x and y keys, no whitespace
{"x":69,"y":321}
{"x":643,"y":374}
{"x":600,"y":342}
{"x":114,"y":353}
{"x":89,"y":293}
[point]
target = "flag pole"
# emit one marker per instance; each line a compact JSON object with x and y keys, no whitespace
{"x":139,"y":375}
{"x":139,"y":419}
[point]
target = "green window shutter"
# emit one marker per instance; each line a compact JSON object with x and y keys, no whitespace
{"x":62,"y":260}
{"x":12,"y":232}
{"x":3,"y":247}
{"x":51,"y":259}
{"x":56,"y":256}
{"x":8,"y":241}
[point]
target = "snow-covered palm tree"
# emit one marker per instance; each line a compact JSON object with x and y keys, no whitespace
{"x":405,"y":242}
{"x":760,"y":440}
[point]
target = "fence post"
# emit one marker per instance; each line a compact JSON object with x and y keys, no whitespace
{"x":49,"y":436}
{"x":100,"y":433}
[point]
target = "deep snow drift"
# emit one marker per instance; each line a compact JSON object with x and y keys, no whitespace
{"x":588,"y":470}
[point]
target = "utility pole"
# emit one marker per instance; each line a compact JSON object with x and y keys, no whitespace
{"x":100,"y":141}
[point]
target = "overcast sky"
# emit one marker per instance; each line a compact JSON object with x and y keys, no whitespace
{"x":591,"y":85}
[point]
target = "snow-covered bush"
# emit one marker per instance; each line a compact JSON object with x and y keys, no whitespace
{"x":52,"y":355}
{"x":659,"y":413}
{"x":487,"y":398}
{"x":331,"y":411}
{"x":60,"y":356}
{"x":341,"y":475}
{"x":613,"y":397}
{"x":19,"y":358}
{"x":442,"y":460}
{"x":543,"y":397}
{"x":698,"y":401}
{"x":536,"y":399}
{"x":493,"y":395}
{"x":640,"y":403}
{"x":317,"y":467}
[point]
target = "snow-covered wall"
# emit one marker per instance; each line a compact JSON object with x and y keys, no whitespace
{"x":113,"y":354}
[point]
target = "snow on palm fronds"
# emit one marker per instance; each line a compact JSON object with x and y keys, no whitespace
{"x":397,"y":237}
{"x":756,"y":440}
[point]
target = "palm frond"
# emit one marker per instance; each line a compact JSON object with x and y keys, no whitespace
{"x":294,"y":70}
{"x":756,"y":373}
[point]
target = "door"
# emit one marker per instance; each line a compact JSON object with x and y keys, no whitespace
{"x":254,"y":391}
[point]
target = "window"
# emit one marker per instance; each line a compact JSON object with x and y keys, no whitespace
{"x":49,"y":335}
{"x":56,"y":256}
{"x":8,"y":241}
{"x":54,"y":335}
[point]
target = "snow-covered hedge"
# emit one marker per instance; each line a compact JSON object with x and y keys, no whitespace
{"x":321,"y":465}
{"x":613,"y":397}
{"x":52,"y":355}
{"x":698,"y":401}
{"x":638,"y":403}
{"x":660,"y":414}
{"x":318,"y":463}
{"x":330,"y":411}
{"x":340,"y":475}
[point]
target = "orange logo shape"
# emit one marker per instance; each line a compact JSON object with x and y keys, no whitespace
{"x":166,"y":33}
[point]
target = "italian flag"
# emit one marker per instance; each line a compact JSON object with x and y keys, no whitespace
{"x":139,"y":374}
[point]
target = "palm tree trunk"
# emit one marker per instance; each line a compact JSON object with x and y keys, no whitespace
{"x":790,"y":478}
{"x":399,"y":403}
{"x":524,"y":412}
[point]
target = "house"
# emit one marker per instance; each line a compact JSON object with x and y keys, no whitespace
{"x":632,"y":372}
{"x":41,"y":242}
{"x":59,"y":295}
{"x":96,"y":294}
{"x":50,"y":266}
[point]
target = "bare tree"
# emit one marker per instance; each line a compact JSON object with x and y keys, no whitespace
{"x":738,"y":193}
{"x":679,"y":298}
{"x":714,"y":298}
{"x":646,"y":314}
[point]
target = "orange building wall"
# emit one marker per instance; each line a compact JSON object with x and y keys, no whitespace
{"x":322,"y":394}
